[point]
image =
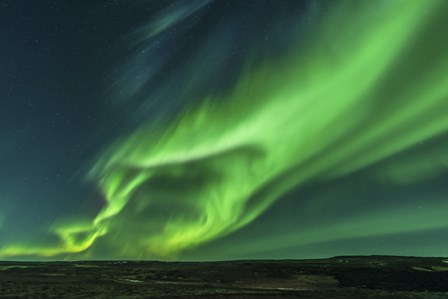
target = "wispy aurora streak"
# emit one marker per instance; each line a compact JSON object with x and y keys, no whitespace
{"x":364,"y":88}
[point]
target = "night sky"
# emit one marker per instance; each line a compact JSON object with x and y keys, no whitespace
{"x":223,"y":129}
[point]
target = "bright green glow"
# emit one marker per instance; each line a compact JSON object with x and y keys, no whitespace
{"x":74,"y":237}
{"x":367,"y":87}
{"x":400,"y":219}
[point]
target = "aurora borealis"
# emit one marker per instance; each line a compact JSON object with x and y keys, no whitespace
{"x":269,"y":129}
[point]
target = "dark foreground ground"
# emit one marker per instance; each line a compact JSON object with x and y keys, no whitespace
{"x":340,"y":277}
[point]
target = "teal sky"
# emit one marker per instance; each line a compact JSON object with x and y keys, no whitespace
{"x":211,"y":130}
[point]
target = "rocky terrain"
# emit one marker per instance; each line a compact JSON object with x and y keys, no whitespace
{"x":339,"y":277}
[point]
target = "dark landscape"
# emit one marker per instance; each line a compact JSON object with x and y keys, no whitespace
{"x":338,"y":277}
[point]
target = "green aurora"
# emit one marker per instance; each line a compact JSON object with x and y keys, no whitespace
{"x":368,"y":84}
